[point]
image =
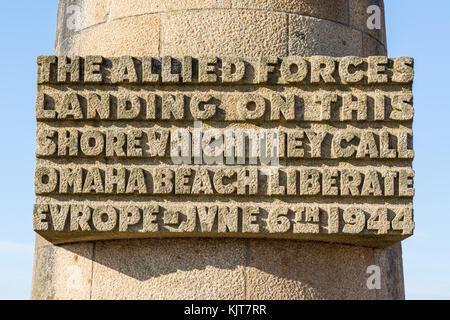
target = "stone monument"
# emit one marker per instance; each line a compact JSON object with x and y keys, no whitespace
{"x":221,"y":149}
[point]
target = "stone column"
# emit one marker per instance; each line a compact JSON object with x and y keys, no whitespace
{"x":215,"y":268}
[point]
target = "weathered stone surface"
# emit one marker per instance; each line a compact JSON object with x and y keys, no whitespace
{"x":344,"y":223}
{"x":191,"y":268}
{"x":307,"y":271}
{"x":311,"y":36}
{"x":358,"y":16}
{"x":147,"y":180}
{"x":390,"y":263}
{"x":70,"y":46}
{"x":319,"y":141}
{"x":131,"y":36}
{"x":42,"y":286}
{"x":209,"y":70}
{"x":64,"y":273}
{"x":222,"y":268}
{"x":94,"y":12}
{"x":126,"y":8}
{"x":371,"y":45}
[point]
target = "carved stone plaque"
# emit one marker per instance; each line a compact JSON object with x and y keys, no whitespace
{"x":316,"y":148}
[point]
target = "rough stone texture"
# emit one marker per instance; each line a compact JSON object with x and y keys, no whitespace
{"x":126,"y":8}
{"x":358,"y":18}
{"x":372,"y":46}
{"x":70,"y":45}
{"x":207,"y":26}
{"x":225,"y":269}
{"x":215,"y":268}
{"x":390,"y":262}
{"x":94,"y":12}
{"x":44,"y":260}
{"x":236,"y":33}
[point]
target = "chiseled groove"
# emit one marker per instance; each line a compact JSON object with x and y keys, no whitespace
{"x":375,"y":263}
{"x":209,"y":197}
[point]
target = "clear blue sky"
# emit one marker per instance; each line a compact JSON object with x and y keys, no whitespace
{"x":415,"y":28}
